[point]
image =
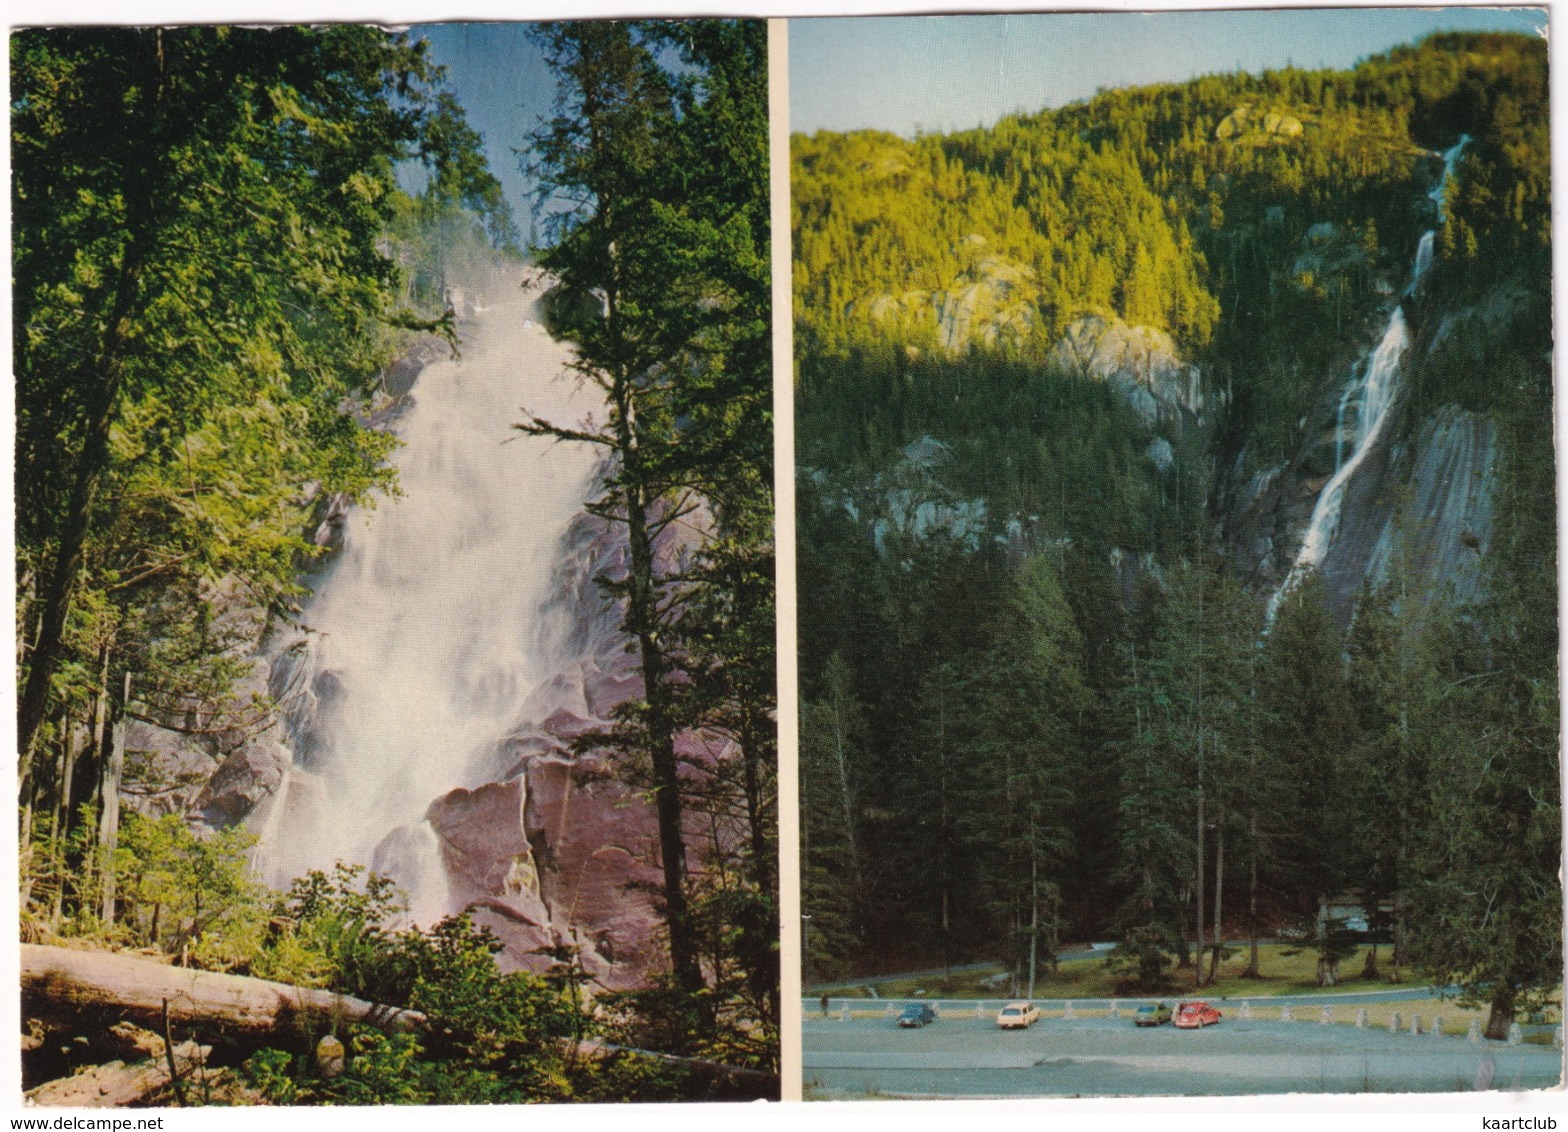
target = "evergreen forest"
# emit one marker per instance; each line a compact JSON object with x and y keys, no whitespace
{"x":1067,"y":389}
{"x":231,"y":245}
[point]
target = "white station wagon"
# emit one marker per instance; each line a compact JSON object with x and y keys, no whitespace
{"x":1018,"y":1016}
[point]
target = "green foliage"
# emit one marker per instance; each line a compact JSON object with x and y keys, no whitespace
{"x":1142,"y":955}
{"x":330,"y":931}
{"x":495,"y":1038}
{"x":189,"y":895}
{"x":832,"y":728}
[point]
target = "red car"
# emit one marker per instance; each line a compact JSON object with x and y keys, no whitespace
{"x":1196,"y":1015}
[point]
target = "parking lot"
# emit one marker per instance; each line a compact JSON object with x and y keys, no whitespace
{"x":961,"y":1055}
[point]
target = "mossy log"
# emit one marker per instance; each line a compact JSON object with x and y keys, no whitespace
{"x":60,"y":985}
{"x":117,"y":1085}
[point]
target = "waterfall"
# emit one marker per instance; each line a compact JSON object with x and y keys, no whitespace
{"x":425,"y":633}
{"x":1373,"y":389}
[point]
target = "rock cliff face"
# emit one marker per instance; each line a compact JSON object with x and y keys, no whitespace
{"x":1419,"y":508}
{"x":1142,"y":363}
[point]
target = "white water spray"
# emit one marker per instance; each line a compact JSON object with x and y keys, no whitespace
{"x":1372,"y":391}
{"x":425,"y":633}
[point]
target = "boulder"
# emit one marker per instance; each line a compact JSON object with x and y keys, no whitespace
{"x":243,"y":779}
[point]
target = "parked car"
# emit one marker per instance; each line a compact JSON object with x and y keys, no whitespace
{"x":1152,"y":1014}
{"x":1018,"y":1016}
{"x":917,"y":1014}
{"x":1196,"y":1015}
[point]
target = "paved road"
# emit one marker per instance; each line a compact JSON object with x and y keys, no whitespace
{"x":812,"y":1006}
{"x":970,"y":1057}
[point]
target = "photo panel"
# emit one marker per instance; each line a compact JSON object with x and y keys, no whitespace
{"x":395,"y":538}
{"x":1176,"y":539}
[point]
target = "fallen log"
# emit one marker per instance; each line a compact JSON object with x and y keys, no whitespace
{"x":62,"y":985}
{"x":117,"y":1084}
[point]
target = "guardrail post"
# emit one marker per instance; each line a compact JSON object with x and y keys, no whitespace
{"x":980,"y":1010}
{"x":1415,"y":1023}
{"x":1361,"y":1018}
{"x":1067,"y":1010}
{"x":1245,"y":1012}
{"x":1113,"y":1008}
{"x":1515,"y":1034}
{"x":1475,"y":1030}
{"x":1437,"y":1026}
{"x":1327,"y":1017}
{"x":1393,"y":1023}
{"x":1284,"y":1013}
{"x":843,"y":1012}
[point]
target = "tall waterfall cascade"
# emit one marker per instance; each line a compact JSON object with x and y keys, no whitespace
{"x":424,"y":637}
{"x":1369,"y":396}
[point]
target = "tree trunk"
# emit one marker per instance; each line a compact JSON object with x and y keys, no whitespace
{"x":1397,"y":949}
{"x":642,"y":616}
{"x":761,"y":976}
{"x":1034,"y":919}
{"x":109,"y":827}
{"x":91,"y":463}
{"x":64,"y":985}
{"x":1501,"y":1017}
{"x":1198,"y":966}
{"x":846,"y":799}
{"x":1252,"y":971}
{"x":1219,"y":893}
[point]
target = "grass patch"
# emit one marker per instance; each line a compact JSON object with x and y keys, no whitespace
{"x":1090,"y":978}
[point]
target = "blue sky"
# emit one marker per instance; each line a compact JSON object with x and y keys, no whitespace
{"x":941,"y":73}
{"x":502,"y":81}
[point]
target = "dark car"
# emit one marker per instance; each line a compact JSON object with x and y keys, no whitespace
{"x":1152,"y":1014}
{"x":917,"y":1014}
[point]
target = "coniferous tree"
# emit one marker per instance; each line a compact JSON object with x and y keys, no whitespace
{"x":660,"y":253}
{"x":1029,"y":700}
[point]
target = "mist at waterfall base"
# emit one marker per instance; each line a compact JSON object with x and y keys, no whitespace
{"x":1370,"y":395}
{"x":425,"y":635}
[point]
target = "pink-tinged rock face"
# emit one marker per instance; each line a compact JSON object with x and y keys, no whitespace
{"x":597,"y":845}
{"x":561,"y":854}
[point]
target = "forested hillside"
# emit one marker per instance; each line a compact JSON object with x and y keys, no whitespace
{"x":1070,"y":389}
